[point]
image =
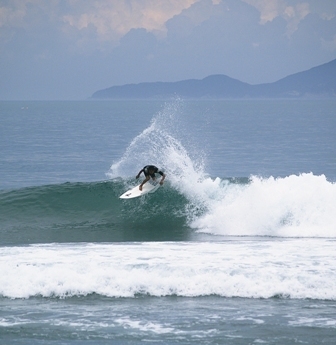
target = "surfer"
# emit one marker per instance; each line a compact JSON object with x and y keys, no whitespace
{"x":149,"y":172}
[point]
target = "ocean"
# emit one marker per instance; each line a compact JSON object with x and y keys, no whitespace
{"x":237,"y":247}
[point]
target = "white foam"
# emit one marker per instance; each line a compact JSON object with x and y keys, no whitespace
{"x":294,"y":206}
{"x":297,"y":268}
{"x":314,"y":322}
{"x":144,"y":326}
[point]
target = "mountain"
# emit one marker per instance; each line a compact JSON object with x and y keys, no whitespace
{"x":316,"y":82}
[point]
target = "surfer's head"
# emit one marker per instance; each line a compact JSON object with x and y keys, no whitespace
{"x":151,"y":169}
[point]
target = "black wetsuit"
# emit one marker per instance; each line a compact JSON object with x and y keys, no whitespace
{"x":146,"y":169}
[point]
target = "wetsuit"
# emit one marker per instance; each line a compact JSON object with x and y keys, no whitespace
{"x":146,"y":169}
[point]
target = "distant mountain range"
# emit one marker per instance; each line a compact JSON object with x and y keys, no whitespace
{"x":317,"y":82}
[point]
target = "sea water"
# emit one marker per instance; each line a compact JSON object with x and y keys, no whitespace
{"x":237,"y":247}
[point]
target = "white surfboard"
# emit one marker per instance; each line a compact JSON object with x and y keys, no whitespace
{"x":148,"y":187}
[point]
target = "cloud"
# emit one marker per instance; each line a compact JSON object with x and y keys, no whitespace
{"x":292,"y":13}
{"x":113,"y":18}
{"x":12,"y":13}
{"x":269,"y":9}
{"x":48,"y":48}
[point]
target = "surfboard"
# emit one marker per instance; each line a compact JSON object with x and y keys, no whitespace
{"x":148,"y":187}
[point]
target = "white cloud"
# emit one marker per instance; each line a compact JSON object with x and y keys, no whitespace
{"x":13,"y":14}
{"x":113,"y":18}
{"x":295,"y":15}
{"x":291,"y":12}
{"x":269,"y":9}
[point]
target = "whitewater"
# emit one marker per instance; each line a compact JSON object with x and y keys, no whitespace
{"x":233,"y":268}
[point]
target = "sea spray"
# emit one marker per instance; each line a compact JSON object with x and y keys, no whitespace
{"x":166,"y":143}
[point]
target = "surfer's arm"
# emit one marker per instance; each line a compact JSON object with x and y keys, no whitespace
{"x":137,"y":176}
{"x":162,"y":179}
{"x":143,"y":182}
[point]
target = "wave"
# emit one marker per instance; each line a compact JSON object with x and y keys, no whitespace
{"x":294,"y":206}
{"x":190,"y":202}
{"x":236,"y":268}
{"x":89,"y":212}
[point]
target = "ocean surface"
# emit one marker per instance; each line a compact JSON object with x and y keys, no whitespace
{"x":237,"y":247}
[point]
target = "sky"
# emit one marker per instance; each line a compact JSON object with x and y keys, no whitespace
{"x":68,"y":49}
